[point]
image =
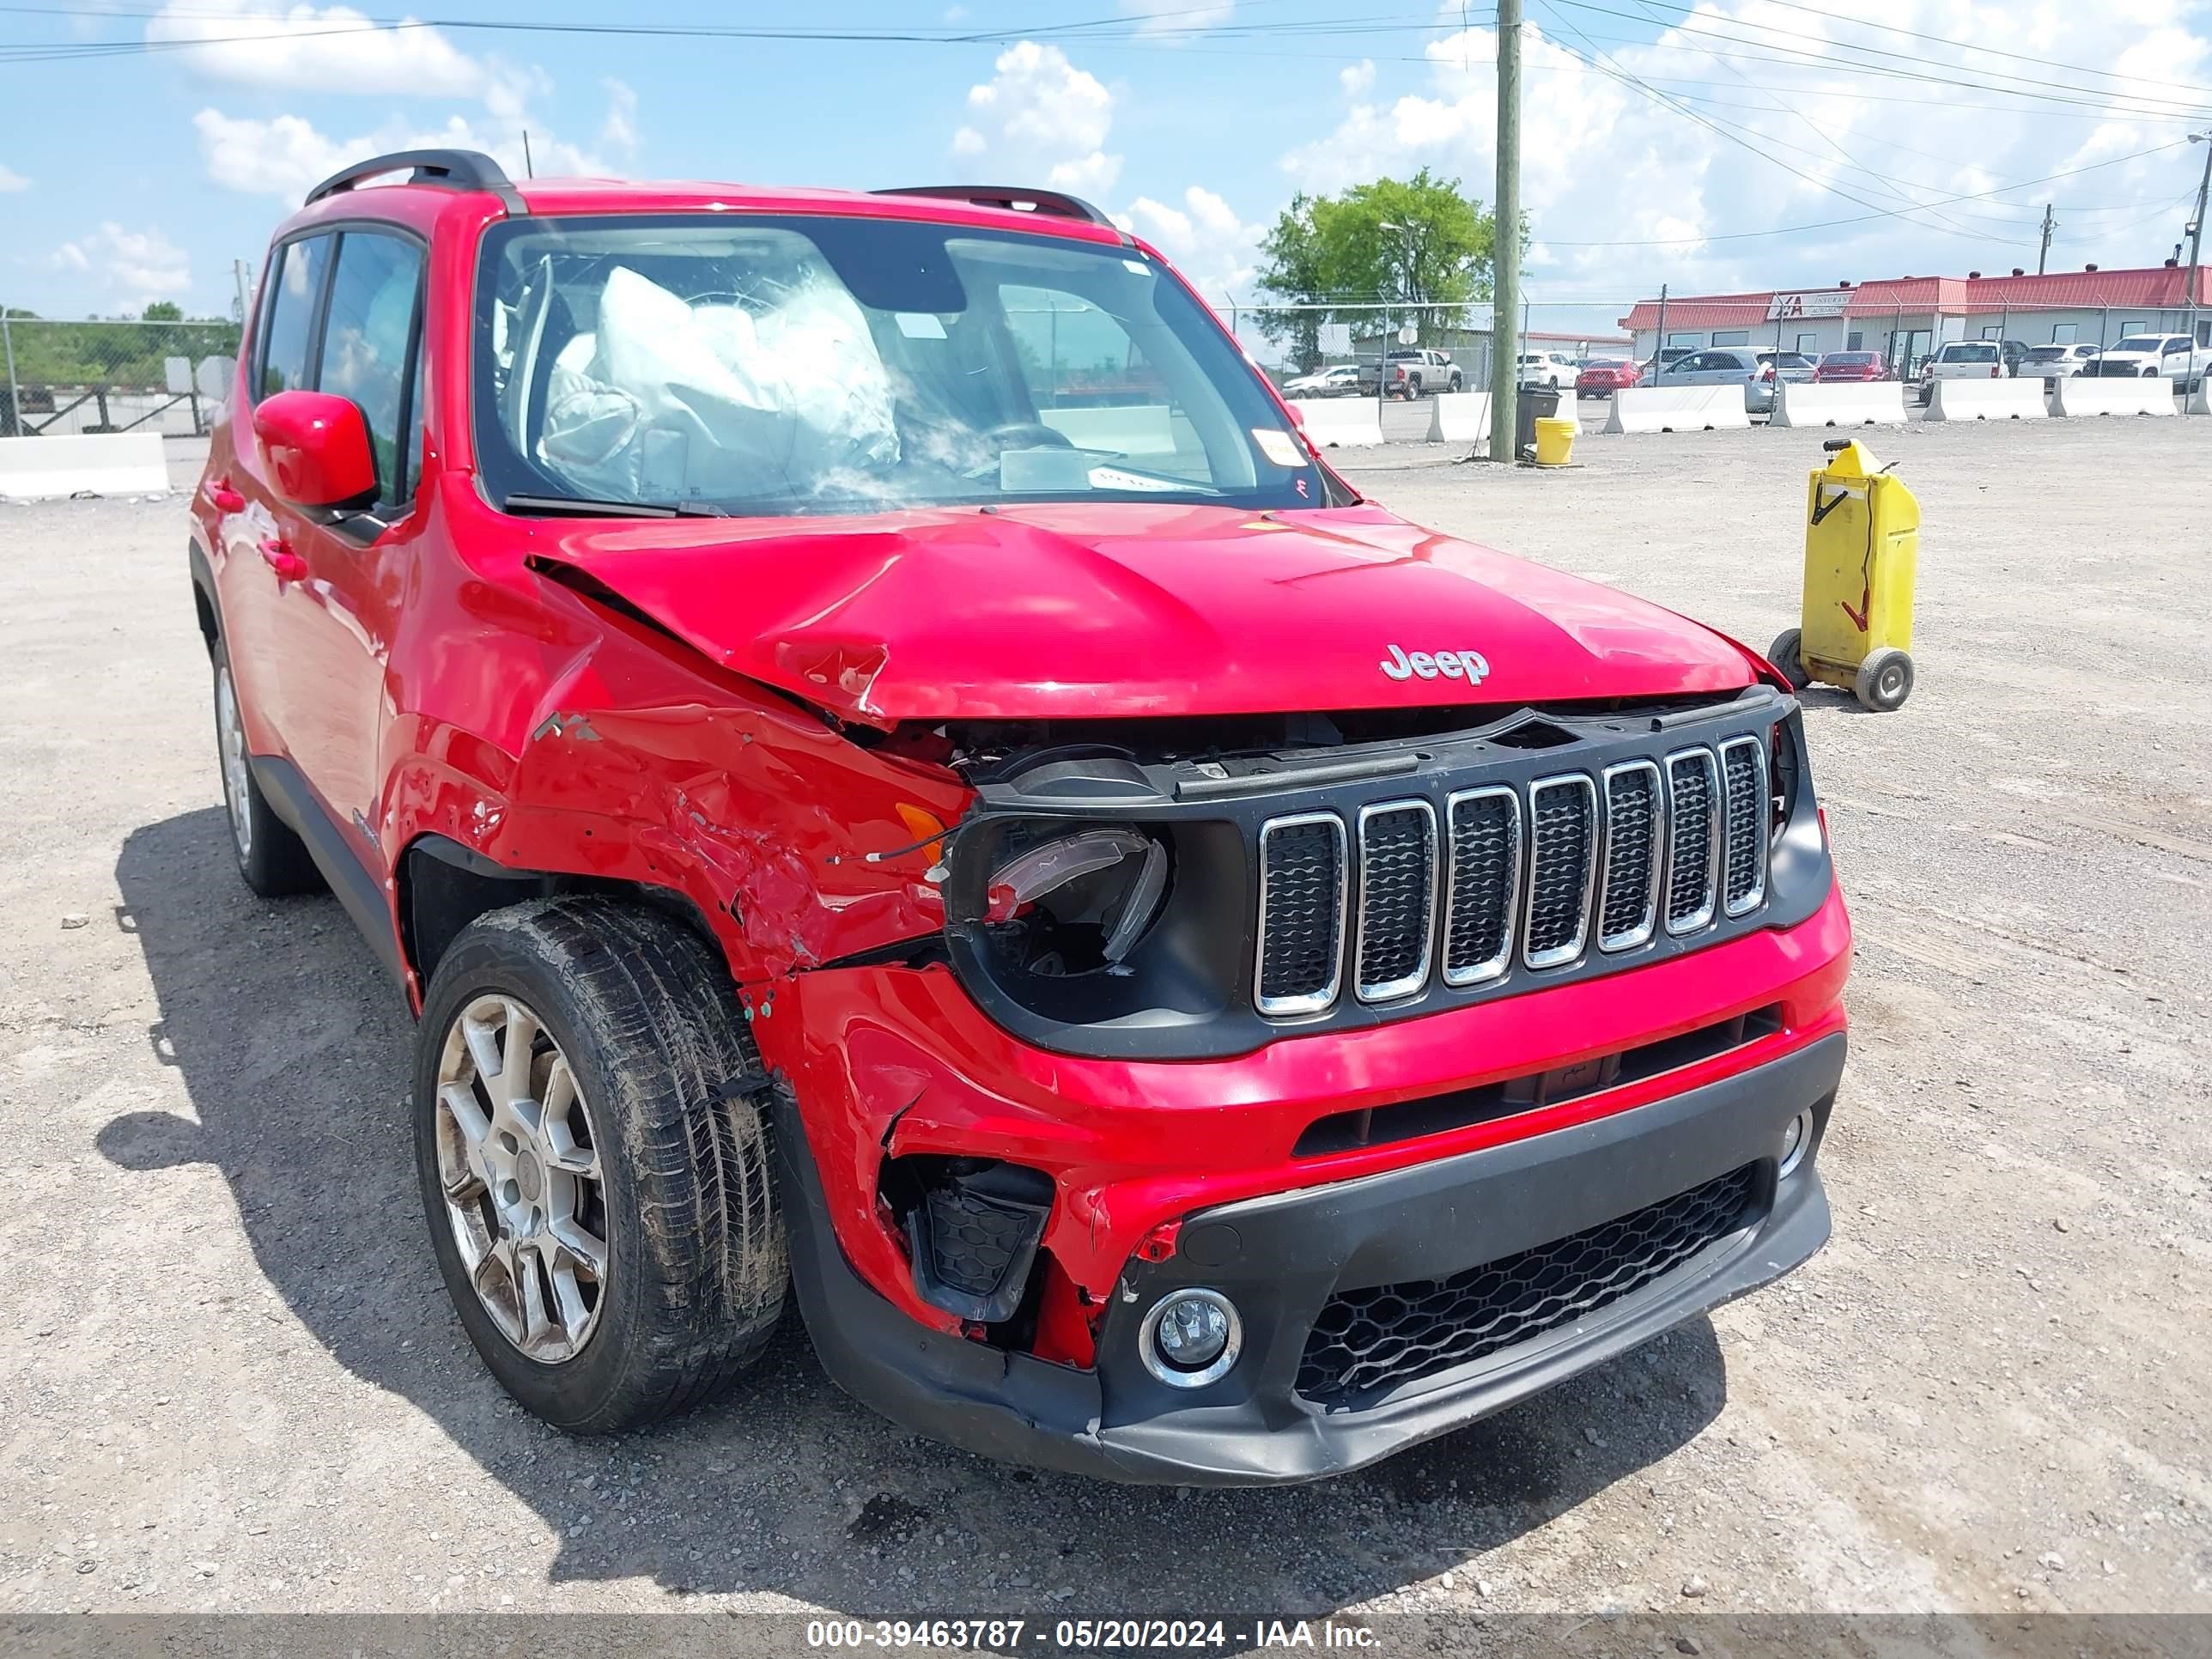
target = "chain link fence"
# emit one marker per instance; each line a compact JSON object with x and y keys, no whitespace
{"x":64,"y":378}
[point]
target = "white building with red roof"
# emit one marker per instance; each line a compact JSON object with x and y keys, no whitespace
{"x":1907,"y":318}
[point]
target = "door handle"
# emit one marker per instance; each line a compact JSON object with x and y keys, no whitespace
{"x":222,"y":497}
{"x":288,"y":566}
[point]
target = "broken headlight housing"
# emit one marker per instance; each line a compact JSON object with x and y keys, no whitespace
{"x":1077,"y":902}
{"x":1063,"y":921}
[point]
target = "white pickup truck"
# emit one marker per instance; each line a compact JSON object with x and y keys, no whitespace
{"x":2170,"y":355}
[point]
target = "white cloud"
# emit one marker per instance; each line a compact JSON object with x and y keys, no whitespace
{"x":10,"y":180}
{"x":286,"y":155}
{"x":1205,"y":240}
{"x":619,"y":131}
{"x":332,"y":49}
{"x":1040,"y":115}
{"x":129,"y":266}
{"x":1603,"y":161}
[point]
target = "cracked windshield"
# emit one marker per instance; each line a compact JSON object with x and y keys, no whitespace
{"x":822,"y":365}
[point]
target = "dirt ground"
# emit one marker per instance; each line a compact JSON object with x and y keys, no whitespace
{"x":234,"y":1381}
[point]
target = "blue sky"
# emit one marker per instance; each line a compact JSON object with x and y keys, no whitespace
{"x":150,"y":167}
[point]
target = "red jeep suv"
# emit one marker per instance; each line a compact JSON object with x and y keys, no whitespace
{"x":893,"y":776}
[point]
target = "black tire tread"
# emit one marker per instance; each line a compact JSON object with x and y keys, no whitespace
{"x":280,"y":865}
{"x":655,"y":1001}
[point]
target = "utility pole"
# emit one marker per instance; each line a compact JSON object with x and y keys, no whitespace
{"x":242,"y":274}
{"x":1659,"y":344}
{"x":2197,"y":241}
{"x":1506,"y":299}
{"x":2049,"y":225}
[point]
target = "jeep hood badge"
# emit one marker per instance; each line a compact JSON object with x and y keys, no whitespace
{"x":1453,"y":665}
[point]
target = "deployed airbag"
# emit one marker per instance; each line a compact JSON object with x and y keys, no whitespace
{"x":669,"y":399}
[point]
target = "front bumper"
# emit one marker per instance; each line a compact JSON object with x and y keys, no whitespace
{"x":1281,"y":1257}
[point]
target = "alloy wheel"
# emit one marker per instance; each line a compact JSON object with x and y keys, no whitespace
{"x":237,"y":782}
{"x":525,"y":1191}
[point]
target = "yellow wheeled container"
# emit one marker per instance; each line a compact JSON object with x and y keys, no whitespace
{"x":1861,"y":544}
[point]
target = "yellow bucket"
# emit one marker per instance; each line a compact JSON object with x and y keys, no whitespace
{"x":1555,"y":442}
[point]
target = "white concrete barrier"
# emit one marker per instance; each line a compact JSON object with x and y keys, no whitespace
{"x":100,"y":464}
{"x":1459,"y":418}
{"x":1334,"y":422}
{"x":2200,"y":401}
{"x":1677,"y":409}
{"x":2121,"y":394}
{"x":1126,"y":428}
{"x":1840,"y":403}
{"x":2019,"y":398}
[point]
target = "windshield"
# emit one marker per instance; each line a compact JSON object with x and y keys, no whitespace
{"x":1970,"y":354}
{"x":2143,"y":343}
{"x":2045,"y":354}
{"x":776,"y":366}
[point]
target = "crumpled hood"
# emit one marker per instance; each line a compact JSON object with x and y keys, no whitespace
{"x":1089,"y":610}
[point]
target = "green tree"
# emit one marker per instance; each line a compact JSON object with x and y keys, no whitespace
{"x":1418,"y":246}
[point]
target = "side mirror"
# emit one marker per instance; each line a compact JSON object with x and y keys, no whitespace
{"x":317,"y":445}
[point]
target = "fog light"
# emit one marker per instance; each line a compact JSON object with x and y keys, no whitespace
{"x":1191,"y":1337}
{"x":1796,"y":1136}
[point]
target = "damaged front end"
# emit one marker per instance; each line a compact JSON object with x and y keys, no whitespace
{"x":1122,"y":894}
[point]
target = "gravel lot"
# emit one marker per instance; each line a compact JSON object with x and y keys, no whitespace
{"x":235,"y":1382}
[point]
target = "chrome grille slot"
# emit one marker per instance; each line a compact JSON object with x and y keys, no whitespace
{"x":1693,"y":834}
{"x":1629,"y":908}
{"x":1397,"y":898}
{"x":1303,"y":882}
{"x":1743,"y":765}
{"x":1485,"y":826}
{"x":1562,"y":865}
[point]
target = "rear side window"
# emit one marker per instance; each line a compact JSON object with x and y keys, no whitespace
{"x":294,"y":282}
{"x":369,"y":337}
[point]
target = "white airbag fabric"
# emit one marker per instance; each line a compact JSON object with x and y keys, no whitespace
{"x":666,"y":398}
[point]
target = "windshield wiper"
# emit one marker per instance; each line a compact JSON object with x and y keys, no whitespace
{"x":583,"y":506}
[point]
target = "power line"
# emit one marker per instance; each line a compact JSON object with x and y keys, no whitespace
{"x":1885,"y":213}
{"x":1993,"y":51}
{"x":1738,"y":137}
{"x":1989,"y":82}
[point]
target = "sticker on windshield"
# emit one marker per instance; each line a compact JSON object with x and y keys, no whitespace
{"x":1112,"y":477}
{"x":1136,"y":266}
{"x":1277,"y":445}
{"x":920,"y":325}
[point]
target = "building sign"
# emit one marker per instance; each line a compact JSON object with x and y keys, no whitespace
{"x":1796,"y":307}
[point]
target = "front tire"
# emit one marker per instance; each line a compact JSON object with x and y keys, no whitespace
{"x":593,"y":1157}
{"x":272,"y":858}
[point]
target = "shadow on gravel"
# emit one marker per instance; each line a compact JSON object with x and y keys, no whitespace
{"x":294,"y":1049}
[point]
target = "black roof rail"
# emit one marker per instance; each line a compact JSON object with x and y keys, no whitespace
{"x":1018,"y":197}
{"x":455,"y":169}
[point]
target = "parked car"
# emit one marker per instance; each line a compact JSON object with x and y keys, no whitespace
{"x":1849,"y":366}
{"x":1550,"y":369}
{"x":1971,"y":360}
{"x":2170,"y":355}
{"x":1604,"y":376}
{"x":1411,"y":372}
{"x":1233,"y":1097}
{"x":1755,"y":371}
{"x":1342,"y":381}
{"x":2056,"y":361}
